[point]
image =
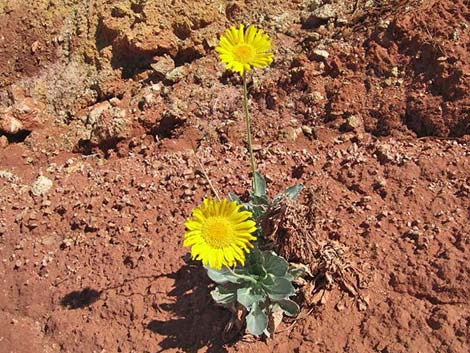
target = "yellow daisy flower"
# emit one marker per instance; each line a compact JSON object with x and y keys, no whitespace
{"x":219,"y":233}
{"x":239,"y":50}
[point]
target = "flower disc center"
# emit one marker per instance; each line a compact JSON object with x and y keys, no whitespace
{"x":217,"y":232}
{"x":244,"y":53}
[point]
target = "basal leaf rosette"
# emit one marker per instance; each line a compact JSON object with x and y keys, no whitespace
{"x":241,"y":49}
{"x":263,"y":287}
{"x":220,"y":233}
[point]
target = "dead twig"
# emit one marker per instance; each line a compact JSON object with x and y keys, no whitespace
{"x":204,"y":173}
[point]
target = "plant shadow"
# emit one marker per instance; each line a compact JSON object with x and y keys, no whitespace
{"x":196,"y":322}
{"x":200,"y":323}
{"x":80,"y":298}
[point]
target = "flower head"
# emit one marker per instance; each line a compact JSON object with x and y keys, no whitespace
{"x":240,"y":50}
{"x":219,"y":233}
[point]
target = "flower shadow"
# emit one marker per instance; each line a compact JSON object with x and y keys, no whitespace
{"x":199,"y":321}
{"x":80,"y":298}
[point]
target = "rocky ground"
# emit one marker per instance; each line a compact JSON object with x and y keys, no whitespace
{"x":111,"y":111}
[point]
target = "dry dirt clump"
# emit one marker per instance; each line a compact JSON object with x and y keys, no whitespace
{"x":110,"y":110}
{"x":422,"y":52}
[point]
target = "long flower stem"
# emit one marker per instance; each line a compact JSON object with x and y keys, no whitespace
{"x":248,"y":130}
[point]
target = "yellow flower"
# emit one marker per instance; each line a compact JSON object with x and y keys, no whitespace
{"x":219,"y":233}
{"x":239,"y":50}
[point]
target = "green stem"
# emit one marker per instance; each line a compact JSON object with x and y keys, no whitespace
{"x":248,"y":129}
{"x":246,"y":278}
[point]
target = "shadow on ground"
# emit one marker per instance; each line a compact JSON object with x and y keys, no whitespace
{"x":80,"y":298}
{"x":200,"y":323}
{"x":196,"y":321}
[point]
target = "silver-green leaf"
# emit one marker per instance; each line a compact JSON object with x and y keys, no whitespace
{"x":259,"y":184}
{"x":256,"y":321}
{"x":274,"y":264}
{"x":222,"y":276}
{"x":280,"y":289}
{"x":291,"y":192}
{"x":289,"y":307}
{"x":247,"y":296}
{"x":224,"y":296}
{"x":232,"y":197}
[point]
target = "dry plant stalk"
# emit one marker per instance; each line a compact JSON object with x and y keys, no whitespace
{"x":290,"y":230}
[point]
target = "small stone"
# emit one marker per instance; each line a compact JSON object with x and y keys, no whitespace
{"x":394,"y":71}
{"x":380,"y":182}
{"x":177,"y":74}
{"x":115,"y":101}
{"x":67,"y":243}
{"x":96,"y":112}
{"x":119,"y":113}
{"x":307,"y":129}
{"x":312,"y":5}
{"x":290,"y":133}
{"x":321,"y":54}
{"x":325,"y":12}
{"x":211,"y":41}
{"x":5,"y":174}
{"x":9,"y":124}
{"x":353,"y":122}
{"x":156,"y":87}
{"x":316,"y":97}
{"x":3,"y":141}
{"x":83,"y":119}
{"x":35,"y":47}
{"x":163,"y":65}
{"x":384,"y":154}
{"x":314,"y":37}
{"x":112,"y":126}
{"x":41,"y":186}
{"x":388,"y":82}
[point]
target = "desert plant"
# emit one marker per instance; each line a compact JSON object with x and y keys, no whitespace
{"x":227,"y":235}
{"x":263,"y":287}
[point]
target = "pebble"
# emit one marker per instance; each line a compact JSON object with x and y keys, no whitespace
{"x":3,"y":141}
{"x":97,"y":110}
{"x":314,"y":36}
{"x":163,"y":65}
{"x":325,"y":12}
{"x":115,"y":101}
{"x":352,"y":123}
{"x":41,"y":186}
{"x":177,"y":74}
{"x":10,"y":125}
{"x":383,"y":153}
{"x":307,"y":129}
{"x":319,"y":16}
{"x":321,"y":54}
{"x":290,"y":133}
